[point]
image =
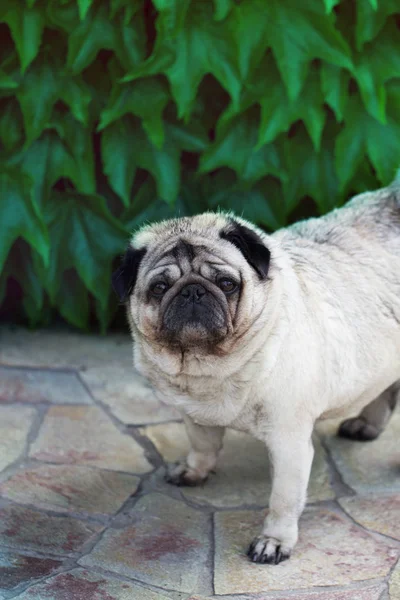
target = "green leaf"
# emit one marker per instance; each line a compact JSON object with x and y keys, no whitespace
{"x":126,"y":140}
{"x":100,"y":78}
{"x":97,"y":32}
{"x":363,"y":135}
{"x":26,"y":25}
{"x":308,"y":34}
{"x":383,"y":146}
{"x":78,"y":142}
{"x":131,"y":38}
{"x":172,"y":15}
{"x":11,"y":124}
{"x":278,"y":112}
{"x":18,"y":216}
{"x":251,"y":17}
{"x":376,"y":65}
{"x":311,"y":173}
{"x":50,"y":159}
{"x":263,"y":205}
{"x":129,"y":6}
{"x":364,"y":179}
{"x":77,"y":95}
{"x":372,"y":92}
{"x":369,"y":21}
{"x":43,"y":85}
{"x":119,"y":161}
{"x":37,"y":95}
{"x":62,"y":15}
{"x":310,"y":107}
{"x":261,"y":84}
{"x":20,"y":266}
{"x":84,"y":236}
{"x":196,"y":49}
{"x":106,"y":314}
{"x":158,"y":62}
{"x":248,"y":17}
{"x":84,"y":6}
{"x":191,"y":137}
{"x":46,"y":161}
{"x":374,"y":4}
{"x":393,"y":96}
{"x":234,"y":148}
{"x":222,"y":9}
{"x":7,"y":82}
{"x":72,"y":300}
{"x":147,"y":206}
{"x":146,"y":99}
{"x":330,"y":5}
{"x":350,"y":145}
{"x":335,"y":85}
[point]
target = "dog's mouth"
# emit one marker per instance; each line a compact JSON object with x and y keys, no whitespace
{"x":196,"y":315}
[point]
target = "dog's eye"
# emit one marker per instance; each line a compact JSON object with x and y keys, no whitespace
{"x":159,"y":288}
{"x":227,"y":286}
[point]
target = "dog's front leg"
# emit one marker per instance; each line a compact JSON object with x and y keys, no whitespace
{"x":206,"y":443}
{"x":291,"y":454}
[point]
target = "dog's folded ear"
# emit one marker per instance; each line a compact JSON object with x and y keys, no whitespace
{"x":124,"y":278}
{"x":250,"y":245}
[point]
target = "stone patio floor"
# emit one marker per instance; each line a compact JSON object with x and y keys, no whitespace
{"x":85,"y":513}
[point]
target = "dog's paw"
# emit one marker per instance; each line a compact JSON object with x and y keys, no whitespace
{"x":358,"y":429}
{"x":180,"y":474}
{"x":267,"y":550}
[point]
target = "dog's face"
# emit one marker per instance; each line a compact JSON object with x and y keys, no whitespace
{"x":194,"y":283}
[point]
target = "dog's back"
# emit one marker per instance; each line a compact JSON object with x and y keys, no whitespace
{"x":372,"y":216}
{"x":377,"y":214}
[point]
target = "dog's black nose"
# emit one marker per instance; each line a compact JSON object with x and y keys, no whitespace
{"x":193,"y":291}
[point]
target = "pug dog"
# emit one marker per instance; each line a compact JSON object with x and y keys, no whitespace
{"x":266,"y":334}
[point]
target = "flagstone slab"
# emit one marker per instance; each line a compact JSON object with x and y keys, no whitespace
{"x":84,"y":435}
{"x":15,"y":425}
{"x":366,"y":466}
{"x":80,"y":584}
{"x":26,"y":529}
{"x":394,"y":583}
{"x":34,"y":386}
{"x":17,"y":568}
{"x":128,"y":395}
{"x":70,"y":488}
{"x":373,"y":592}
{"x":331,"y":551}
{"x":377,"y":513}
{"x":166,"y":545}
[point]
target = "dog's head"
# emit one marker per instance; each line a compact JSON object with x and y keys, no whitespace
{"x":196,"y":283}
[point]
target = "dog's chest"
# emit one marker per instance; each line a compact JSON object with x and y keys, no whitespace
{"x":207,"y":402}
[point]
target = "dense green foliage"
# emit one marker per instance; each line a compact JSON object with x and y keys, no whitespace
{"x":114,"y":112}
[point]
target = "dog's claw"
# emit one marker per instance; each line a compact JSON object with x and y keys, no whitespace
{"x":180,"y":475}
{"x":265,"y":550}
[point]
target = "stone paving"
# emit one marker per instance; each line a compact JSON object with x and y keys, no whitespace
{"x":85,"y":513}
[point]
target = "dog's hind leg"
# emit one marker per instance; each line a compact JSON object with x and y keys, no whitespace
{"x":373,"y":419}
